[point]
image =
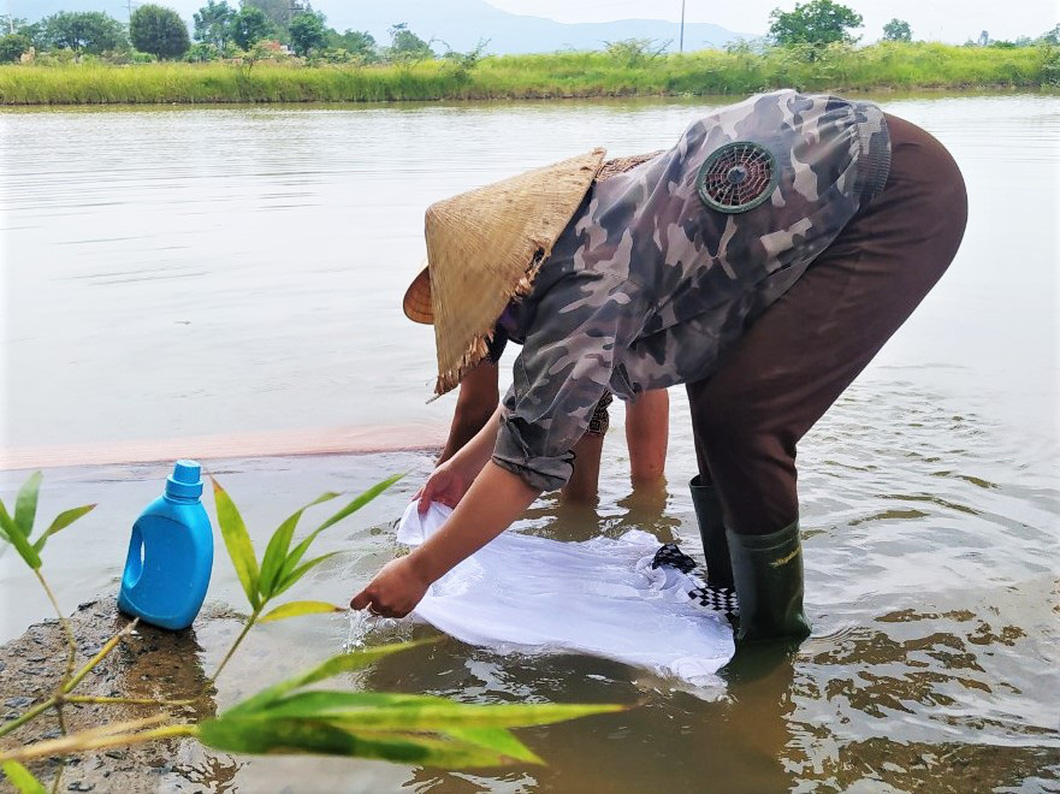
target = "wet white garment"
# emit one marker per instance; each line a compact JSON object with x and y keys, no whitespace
{"x":522,"y":593}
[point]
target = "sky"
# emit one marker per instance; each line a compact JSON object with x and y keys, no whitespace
{"x":953,"y":21}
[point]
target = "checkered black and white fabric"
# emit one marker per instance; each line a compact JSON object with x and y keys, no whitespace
{"x":671,"y":556}
{"x":716,"y":599}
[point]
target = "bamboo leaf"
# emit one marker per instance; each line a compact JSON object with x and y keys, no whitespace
{"x":235,"y":735}
{"x":321,"y":704}
{"x":237,"y":541}
{"x":463,"y":753}
{"x":15,"y":537}
{"x":26,"y":504}
{"x":61,"y":522}
{"x":343,"y":663}
{"x":296,"y":555}
{"x":296,"y":608}
{"x":422,"y":713}
{"x":358,"y":502}
{"x":362,"y":699}
{"x":5,"y":521}
{"x":22,"y":779}
{"x":279,"y":544}
{"x":294,"y":736}
{"x":301,"y":571}
{"x":275,"y":554}
{"x":497,"y":739}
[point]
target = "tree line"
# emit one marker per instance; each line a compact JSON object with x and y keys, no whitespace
{"x":260,"y":28}
{"x":280,"y":29}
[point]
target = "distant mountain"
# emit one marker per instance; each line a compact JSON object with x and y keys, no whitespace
{"x":460,"y":24}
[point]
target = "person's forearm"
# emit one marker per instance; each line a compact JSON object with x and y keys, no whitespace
{"x":496,"y":499}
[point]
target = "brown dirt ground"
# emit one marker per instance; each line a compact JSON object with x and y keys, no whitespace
{"x":149,"y":663}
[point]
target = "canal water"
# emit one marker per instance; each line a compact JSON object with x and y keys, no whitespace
{"x":201,"y":277}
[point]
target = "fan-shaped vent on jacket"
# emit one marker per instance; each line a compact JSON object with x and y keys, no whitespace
{"x":737,"y":177}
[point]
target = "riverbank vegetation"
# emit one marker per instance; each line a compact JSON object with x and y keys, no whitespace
{"x":615,"y":73}
{"x":267,"y":51}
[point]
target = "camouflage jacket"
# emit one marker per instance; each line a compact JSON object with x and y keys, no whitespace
{"x":650,"y":283}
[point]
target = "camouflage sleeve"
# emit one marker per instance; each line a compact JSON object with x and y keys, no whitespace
{"x":561,"y":374}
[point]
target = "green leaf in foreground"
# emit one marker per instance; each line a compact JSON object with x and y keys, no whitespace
{"x":418,"y":729}
{"x":22,"y":779}
{"x":497,"y":739}
{"x":403,"y":728}
{"x":360,"y":501}
{"x":301,"y":571}
{"x":387,"y":712}
{"x":26,"y":504}
{"x":302,"y":736}
{"x":342,"y":663}
{"x":280,"y":568}
{"x":296,"y":608}
{"x":14,"y":536}
{"x":279,"y":545}
{"x":291,"y":563}
{"x":18,"y":529}
{"x":406,"y":728}
{"x":237,"y":541}
{"x":61,"y":522}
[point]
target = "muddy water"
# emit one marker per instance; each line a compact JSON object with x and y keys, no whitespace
{"x":185,"y":273}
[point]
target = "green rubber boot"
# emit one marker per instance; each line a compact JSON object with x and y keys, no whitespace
{"x":767,"y":570}
{"x":712,"y":532}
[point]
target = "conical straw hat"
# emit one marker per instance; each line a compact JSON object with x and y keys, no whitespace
{"x":417,"y":302}
{"x":484,"y":248}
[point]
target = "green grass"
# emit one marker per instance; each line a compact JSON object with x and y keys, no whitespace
{"x":590,"y":74}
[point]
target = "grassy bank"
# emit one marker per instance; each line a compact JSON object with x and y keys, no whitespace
{"x":882,"y":66}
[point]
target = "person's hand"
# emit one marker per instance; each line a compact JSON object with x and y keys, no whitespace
{"x":447,"y":485}
{"x":395,"y":590}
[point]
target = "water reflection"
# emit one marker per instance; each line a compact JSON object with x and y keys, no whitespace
{"x":665,"y":737}
{"x":643,"y":508}
{"x":166,"y":665}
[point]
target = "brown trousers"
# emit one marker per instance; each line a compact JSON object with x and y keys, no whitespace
{"x":802,"y":353}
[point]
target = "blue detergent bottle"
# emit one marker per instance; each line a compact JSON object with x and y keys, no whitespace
{"x":170,"y":554}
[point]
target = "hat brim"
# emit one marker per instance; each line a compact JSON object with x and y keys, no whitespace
{"x":417,"y":302}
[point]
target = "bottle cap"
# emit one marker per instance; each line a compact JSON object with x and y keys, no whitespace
{"x":185,"y":481}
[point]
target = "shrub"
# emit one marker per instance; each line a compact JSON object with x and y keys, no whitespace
{"x":12,"y":46}
{"x":203,"y":52}
{"x":635,"y":53}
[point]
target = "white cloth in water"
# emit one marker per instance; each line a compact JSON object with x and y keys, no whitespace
{"x":601,"y":597}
